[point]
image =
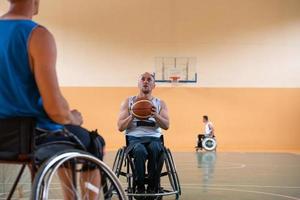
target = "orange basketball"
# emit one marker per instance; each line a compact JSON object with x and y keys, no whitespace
{"x":142,"y":109}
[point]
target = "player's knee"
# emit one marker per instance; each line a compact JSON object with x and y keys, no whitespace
{"x":139,"y":151}
{"x":155,"y":147}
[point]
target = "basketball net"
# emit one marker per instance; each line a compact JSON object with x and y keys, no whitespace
{"x":174,"y":80}
{"x":174,"y":76}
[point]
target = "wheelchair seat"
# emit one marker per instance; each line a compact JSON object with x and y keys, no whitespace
{"x":124,"y":167}
{"x":17,"y":144}
{"x":16,"y":136}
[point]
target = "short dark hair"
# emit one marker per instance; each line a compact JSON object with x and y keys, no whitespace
{"x":205,"y":117}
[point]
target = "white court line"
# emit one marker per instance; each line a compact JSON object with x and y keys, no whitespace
{"x":215,"y":166}
{"x":233,"y":167}
{"x":204,"y":167}
{"x":254,"y":186}
{"x":255,"y":192}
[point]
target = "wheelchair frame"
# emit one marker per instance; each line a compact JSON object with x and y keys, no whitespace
{"x":203,"y":143}
{"x":124,"y":160}
{"x":24,"y":129}
{"x":48,"y":168}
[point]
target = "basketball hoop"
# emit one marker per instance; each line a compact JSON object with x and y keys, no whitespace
{"x":174,"y":80}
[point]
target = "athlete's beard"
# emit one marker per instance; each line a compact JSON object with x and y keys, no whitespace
{"x":145,"y":91}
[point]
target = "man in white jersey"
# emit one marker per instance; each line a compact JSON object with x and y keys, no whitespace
{"x":144,"y":135}
{"x":208,"y":131}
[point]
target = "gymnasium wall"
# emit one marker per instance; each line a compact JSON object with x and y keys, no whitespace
{"x":237,"y":43}
{"x":245,"y":119}
{"x":247,"y":60}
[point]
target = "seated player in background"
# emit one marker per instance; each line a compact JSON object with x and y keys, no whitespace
{"x":208,"y":131}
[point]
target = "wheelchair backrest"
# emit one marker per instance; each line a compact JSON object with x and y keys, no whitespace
{"x":16,"y":138}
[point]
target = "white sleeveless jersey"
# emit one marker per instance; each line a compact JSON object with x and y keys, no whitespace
{"x":147,"y":127}
{"x":207,"y":129}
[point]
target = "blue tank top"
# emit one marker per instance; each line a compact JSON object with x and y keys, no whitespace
{"x":19,"y":94}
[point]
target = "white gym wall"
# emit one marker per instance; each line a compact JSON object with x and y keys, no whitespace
{"x":237,"y":43}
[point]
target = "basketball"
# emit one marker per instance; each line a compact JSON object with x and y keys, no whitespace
{"x":142,"y":109}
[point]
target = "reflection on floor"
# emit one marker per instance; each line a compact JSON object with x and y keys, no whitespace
{"x":215,"y":176}
{"x":237,"y":176}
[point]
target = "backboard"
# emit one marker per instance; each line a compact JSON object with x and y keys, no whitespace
{"x":180,"y":69}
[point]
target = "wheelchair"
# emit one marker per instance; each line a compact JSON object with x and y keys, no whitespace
{"x":123,"y":166}
{"x":208,"y":143}
{"x":73,"y":166}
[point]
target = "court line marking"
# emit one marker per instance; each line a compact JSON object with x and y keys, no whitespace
{"x":233,"y":167}
{"x":255,"y":192}
{"x":209,"y":165}
{"x":205,"y":167}
{"x":258,"y":186}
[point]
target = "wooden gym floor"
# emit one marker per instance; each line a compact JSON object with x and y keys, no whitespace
{"x":219,"y":176}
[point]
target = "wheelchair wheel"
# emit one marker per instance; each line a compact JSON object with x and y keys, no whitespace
{"x":76,"y":174}
{"x":117,"y":165}
{"x":176,"y":179}
{"x":172,"y":173}
{"x":121,"y":159}
{"x":209,"y":144}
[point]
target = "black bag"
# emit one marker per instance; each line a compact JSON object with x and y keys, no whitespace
{"x":97,"y":144}
{"x":46,"y":150}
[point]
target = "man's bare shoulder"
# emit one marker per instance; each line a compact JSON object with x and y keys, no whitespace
{"x":127,"y":100}
{"x":41,"y":35}
{"x":125,"y":103}
{"x":162,"y":102}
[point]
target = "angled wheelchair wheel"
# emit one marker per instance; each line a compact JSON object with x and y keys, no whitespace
{"x":75,"y":174}
{"x":124,"y":169}
{"x":176,"y":179}
{"x":172,"y":173}
{"x":118,"y":162}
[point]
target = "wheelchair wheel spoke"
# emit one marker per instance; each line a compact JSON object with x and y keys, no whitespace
{"x":76,"y":175}
{"x":127,"y":174}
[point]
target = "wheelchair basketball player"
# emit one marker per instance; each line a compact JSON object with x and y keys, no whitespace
{"x":207,"y":139}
